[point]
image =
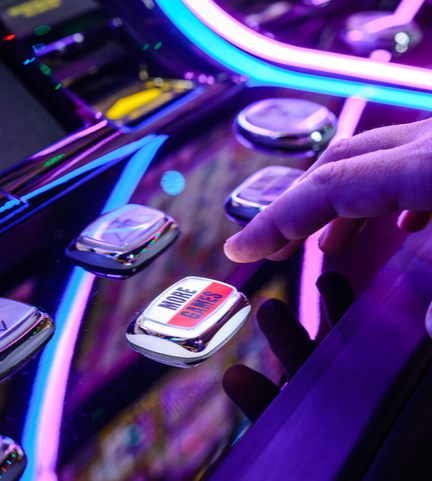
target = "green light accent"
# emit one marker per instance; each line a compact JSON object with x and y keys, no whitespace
{"x":45,"y":69}
{"x":145,"y":47}
{"x":53,"y":160}
{"x":42,"y":30}
{"x":158,"y":45}
{"x":13,"y":455}
{"x":58,"y":86}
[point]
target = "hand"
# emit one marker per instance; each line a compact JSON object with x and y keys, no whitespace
{"x":371,"y":174}
{"x":251,"y":391}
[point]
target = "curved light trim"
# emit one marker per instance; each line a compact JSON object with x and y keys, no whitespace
{"x":263,"y":73}
{"x":332,"y":63}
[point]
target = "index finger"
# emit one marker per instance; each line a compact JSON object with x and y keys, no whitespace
{"x":365,"y":186}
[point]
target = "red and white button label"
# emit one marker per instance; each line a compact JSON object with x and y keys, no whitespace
{"x":189,"y":302}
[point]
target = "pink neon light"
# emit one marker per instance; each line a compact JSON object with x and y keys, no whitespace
{"x":313,"y":257}
{"x":405,"y":13}
{"x":241,"y":36}
{"x":48,"y":435}
{"x":69,"y":139}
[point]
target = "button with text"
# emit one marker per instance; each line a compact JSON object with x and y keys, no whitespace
{"x":188,"y":322}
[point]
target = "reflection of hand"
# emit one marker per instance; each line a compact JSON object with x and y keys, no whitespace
{"x":373,"y":173}
{"x":252,"y":391}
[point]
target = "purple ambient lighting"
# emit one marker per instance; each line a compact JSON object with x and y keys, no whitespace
{"x":59,"y":44}
{"x":405,"y":13}
{"x":313,"y":256}
{"x":254,"y":43}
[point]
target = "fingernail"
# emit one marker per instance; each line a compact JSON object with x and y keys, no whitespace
{"x":401,"y":219}
{"x":226,"y":247}
{"x":323,"y":237}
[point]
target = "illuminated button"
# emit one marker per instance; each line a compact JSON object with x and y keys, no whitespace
{"x":286,"y":124}
{"x":23,"y":332}
{"x":120,"y":242}
{"x":12,"y":459}
{"x":258,"y":191}
{"x":188,"y":322}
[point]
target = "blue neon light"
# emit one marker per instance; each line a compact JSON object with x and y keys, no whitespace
{"x":132,"y":174}
{"x":39,"y":387}
{"x":263,"y":73}
{"x":105,"y":160}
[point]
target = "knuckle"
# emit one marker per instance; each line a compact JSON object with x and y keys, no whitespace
{"x":339,"y":150}
{"x":424,"y":145}
{"x":327,"y":176}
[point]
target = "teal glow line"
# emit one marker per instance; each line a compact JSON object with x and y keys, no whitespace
{"x":263,"y":73}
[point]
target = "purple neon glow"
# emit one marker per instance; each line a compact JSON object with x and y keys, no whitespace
{"x":313,"y":257}
{"x":59,"y":44}
{"x":404,"y":13}
{"x":69,"y":139}
{"x":241,"y":36}
{"x":48,"y":435}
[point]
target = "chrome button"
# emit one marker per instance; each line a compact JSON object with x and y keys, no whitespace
{"x":287,"y":124}
{"x":24,"y":330}
{"x":188,"y":322}
{"x":120,"y":242}
{"x":258,"y":191}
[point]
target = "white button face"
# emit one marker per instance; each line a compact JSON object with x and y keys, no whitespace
{"x":123,"y":229}
{"x":268,"y":184}
{"x":189,"y":308}
{"x":12,"y":315}
{"x":286,"y":116}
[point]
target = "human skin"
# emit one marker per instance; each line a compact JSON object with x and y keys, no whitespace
{"x":379,"y":171}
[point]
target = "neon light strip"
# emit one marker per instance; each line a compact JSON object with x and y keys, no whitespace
{"x":313,"y":258}
{"x":337,"y":64}
{"x":59,"y":44}
{"x":112,"y":157}
{"x":404,"y":13}
{"x":262,"y":73}
{"x":79,"y":134}
{"x":43,"y":421}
